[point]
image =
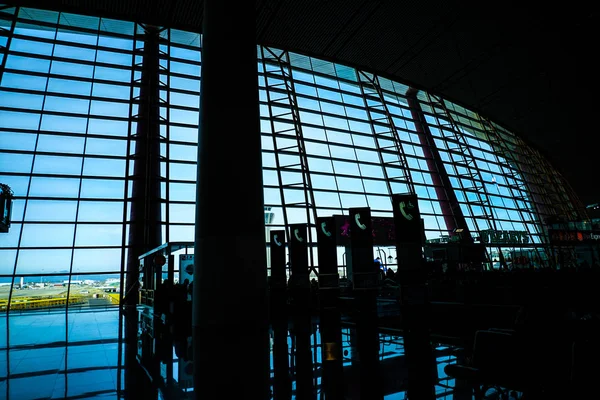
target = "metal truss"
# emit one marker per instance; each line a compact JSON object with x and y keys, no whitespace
{"x":389,"y":147}
{"x":283,"y":109}
{"x":520,"y":186}
{"x":470,"y":180}
{"x":137,"y":67}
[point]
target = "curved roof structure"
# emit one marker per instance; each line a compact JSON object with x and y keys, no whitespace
{"x":529,"y":69}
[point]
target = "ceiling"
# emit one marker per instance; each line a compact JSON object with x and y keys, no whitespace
{"x":530,"y":69}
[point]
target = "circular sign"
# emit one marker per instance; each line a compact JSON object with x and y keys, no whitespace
{"x":160,"y":260}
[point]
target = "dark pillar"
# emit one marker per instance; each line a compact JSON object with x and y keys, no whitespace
{"x":453,"y":215}
{"x":299,"y":308}
{"x":330,"y":323}
{"x":230,"y":308}
{"x":366,"y":280}
{"x":414,"y":303}
{"x":282,"y":383}
{"x":145,"y":215}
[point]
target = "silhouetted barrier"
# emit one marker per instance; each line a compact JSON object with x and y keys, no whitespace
{"x":330,"y":317}
{"x":301,"y":323}
{"x":366,"y":282}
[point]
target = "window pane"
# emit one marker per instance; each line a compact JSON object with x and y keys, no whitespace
{"x":97,"y":260}
{"x":57,"y":165}
{"x":16,"y":162}
{"x":47,"y":235}
{"x":51,"y":210}
{"x":96,"y":211}
{"x":53,"y":261}
{"x":101,"y":188}
{"x":98,"y":235}
{"x":54,"y":187}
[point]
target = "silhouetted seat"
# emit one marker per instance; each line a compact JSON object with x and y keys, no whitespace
{"x":585,"y":368}
{"x":495,"y":363}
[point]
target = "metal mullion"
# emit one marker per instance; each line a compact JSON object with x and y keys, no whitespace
{"x":180,"y":124}
{"x":52,"y":274}
{"x":58,"y":94}
{"x":322,"y":75}
{"x":330,"y":159}
{"x":316,"y":98}
{"x":124,"y":245}
{"x":180,"y":74}
{"x":28,"y":191}
{"x":182,"y":202}
{"x":54,"y":154}
{"x":350,"y":146}
{"x":78,"y":204}
{"x":60,"y":248}
{"x":180,"y":143}
{"x":66,"y":77}
{"x":41,"y":175}
{"x":184,"y":91}
{"x":187,"y":47}
{"x":66,"y":114}
{"x":67,"y":43}
{"x":2,"y":68}
{"x":90,"y":199}
{"x":333,"y":129}
{"x":68,"y":60}
{"x":72,"y":28}
{"x":24,"y":222}
{"x":168,"y":136}
{"x":178,"y":107}
{"x":346,"y":145}
{"x":182,"y":181}
{"x":10,"y":33}
{"x":319,"y":156}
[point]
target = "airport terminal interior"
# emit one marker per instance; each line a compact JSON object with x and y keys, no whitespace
{"x":187,"y":213}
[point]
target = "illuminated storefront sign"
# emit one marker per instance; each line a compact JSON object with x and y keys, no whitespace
{"x":445,"y":239}
{"x":573,"y":237}
{"x":504,"y":237}
{"x":490,"y":236}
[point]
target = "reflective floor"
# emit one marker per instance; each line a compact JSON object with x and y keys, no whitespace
{"x":44,"y":360}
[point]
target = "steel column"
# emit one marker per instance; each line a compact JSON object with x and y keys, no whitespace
{"x":230,"y":306}
{"x":145,"y":214}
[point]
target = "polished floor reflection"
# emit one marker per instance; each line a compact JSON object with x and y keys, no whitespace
{"x":393,"y":369}
{"x":40,"y":364}
{"x":45,"y":360}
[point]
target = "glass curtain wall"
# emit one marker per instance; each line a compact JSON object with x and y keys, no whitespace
{"x":69,"y":97}
{"x":333,"y":138}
